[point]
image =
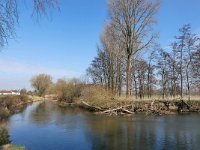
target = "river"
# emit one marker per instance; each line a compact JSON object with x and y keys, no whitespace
{"x":47,"y":126}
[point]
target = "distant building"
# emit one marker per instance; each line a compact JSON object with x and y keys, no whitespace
{"x":11,"y":92}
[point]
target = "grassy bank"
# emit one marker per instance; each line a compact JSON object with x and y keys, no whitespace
{"x":11,"y":147}
{"x":12,"y":104}
{"x":9,"y":105}
{"x":97,"y":99}
{"x":155,"y":107}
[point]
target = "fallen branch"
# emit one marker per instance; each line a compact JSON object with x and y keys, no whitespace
{"x":127,"y":111}
{"x":112,"y":110}
{"x":93,"y":107}
{"x":122,"y":109}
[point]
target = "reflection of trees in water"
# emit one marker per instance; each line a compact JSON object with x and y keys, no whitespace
{"x":179,"y":132}
{"x":42,"y":114}
{"x":110,"y":133}
{"x":102,"y":132}
{"x":64,"y":117}
{"x":69,"y":118}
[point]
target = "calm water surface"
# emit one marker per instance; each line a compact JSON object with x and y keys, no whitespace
{"x":46,"y":126}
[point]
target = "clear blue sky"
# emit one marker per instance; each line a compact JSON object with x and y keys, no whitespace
{"x":65,"y":44}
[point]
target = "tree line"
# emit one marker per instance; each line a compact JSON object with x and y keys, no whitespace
{"x":121,"y":67}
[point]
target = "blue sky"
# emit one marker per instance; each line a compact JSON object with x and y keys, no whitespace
{"x":64,"y":44}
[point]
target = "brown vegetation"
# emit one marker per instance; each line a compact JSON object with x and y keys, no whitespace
{"x":4,"y":136}
{"x":41,"y":83}
{"x":11,"y":104}
{"x":67,"y":91}
{"x":156,"y":107}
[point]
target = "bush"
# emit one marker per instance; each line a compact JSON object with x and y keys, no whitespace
{"x":4,"y":114}
{"x":4,"y":136}
{"x":68,"y":90}
{"x":11,"y":104}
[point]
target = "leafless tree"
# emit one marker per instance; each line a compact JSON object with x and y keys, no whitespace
{"x":9,"y":15}
{"x":41,"y":83}
{"x":196,"y":69}
{"x":186,"y":44}
{"x":106,"y":68}
{"x":134,"y":19}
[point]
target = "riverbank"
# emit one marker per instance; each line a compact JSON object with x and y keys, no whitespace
{"x":9,"y":105}
{"x":150,"y":107}
{"x":11,"y":147}
{"x":12,"y":104}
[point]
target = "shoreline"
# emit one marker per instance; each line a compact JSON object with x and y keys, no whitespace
{"x":10,"y":105}
{"x":150,"y":107}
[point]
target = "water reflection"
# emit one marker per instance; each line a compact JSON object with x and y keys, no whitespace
{"x":48,"y":126}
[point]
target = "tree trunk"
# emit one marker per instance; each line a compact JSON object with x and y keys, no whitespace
{"x":188,"y":84}
{"x":135,"y":85}
{"x":128,"y":76}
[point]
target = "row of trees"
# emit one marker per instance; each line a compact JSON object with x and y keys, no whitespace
{"x":128,"y":32}
{"x":120,"y":67}
{"x":179,"y":67}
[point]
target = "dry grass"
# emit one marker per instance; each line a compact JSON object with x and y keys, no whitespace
{"x":11,"y":104}
{"x":99,"y":97}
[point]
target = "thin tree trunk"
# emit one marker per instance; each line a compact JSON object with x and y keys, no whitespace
{"x":135,"y":85}
{"x":188,"y":84}
{"x":128,"y":76}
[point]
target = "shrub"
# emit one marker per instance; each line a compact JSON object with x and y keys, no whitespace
{"x":68,"y":90}
{"x":4,"y":136}
{"x":11,"y":104}
{"x":4,"y":114}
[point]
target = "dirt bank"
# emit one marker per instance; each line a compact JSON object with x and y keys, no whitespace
{"x":155,"y":107}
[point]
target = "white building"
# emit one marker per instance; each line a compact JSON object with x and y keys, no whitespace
{"x":11,"y":92}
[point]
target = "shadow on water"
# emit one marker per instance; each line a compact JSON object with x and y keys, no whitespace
{"x":141,"y":132}
{"x":48,"y":126}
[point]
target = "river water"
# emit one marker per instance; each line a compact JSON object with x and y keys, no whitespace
{"x":46,"y":126}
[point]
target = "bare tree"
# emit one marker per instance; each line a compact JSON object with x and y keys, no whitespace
{"x":106,"y":68}
{"x":192,"y":45}
{"x":150,"y":72}
{"x":41,"y":83}
{"x":9,"y":15}
{"x":186,"y":43}
{"x":163,"y":67}
{"x":196,"y":69}
{"x":141,"y":74}
{"x":175,"y":69}
{"x":180,"y":49}
{"x":134,"y":19}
